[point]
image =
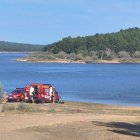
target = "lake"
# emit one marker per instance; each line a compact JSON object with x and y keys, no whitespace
{"x":117,"y":84}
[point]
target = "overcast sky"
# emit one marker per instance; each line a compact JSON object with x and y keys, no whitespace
{"x":47,"y":21}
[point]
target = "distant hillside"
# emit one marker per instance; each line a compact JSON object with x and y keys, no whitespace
{"x":125,"y":40}
{"x":14,"y":47}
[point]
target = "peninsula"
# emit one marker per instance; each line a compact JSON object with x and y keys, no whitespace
{"x":119,"y":47}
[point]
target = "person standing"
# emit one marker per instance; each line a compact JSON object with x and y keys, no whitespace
{"x":51,"y":94}
{"x":32,"y":94}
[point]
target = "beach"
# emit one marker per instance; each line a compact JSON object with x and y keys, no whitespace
{"x":69,"y":121}
{"x":65,"y":61}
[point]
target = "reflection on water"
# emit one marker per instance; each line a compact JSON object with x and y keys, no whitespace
{"x":101,"y":83}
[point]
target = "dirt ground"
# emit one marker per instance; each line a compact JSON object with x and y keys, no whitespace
{"x":69,"y":121}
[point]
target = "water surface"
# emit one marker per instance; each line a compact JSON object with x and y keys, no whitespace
{"x":101,"y":83}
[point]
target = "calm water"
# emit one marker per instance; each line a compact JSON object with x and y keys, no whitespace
{"x":101,"y":83}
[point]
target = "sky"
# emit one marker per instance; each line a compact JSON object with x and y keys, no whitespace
{"x":48,"y":21}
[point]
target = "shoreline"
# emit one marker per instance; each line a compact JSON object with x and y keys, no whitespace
{"x":68,"y":61}
{"x":103,"y":104}
{"x":49,"y":61}
{"x":74,"y":62}
{"x":91,"y":103}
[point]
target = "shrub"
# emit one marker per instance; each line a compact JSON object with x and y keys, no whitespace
{"x":93,"y":55}
{"x":52,"y":108}
{"x":109,"y":54}
{"x":72,"y":56}
{"x":123,"y":54}
{"x":88,"y":59}
{"x":1,"y":92}
{"x":6,"y":108}
{"x":136,"y":54}
{"x":79,"y":56}
{"x":26,"y":108}
{"x":20,"y":107}
{"x":62,"y":55}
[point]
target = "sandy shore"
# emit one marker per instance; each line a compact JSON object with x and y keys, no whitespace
{"x":70,"y":121}
{"x":66,"y":61}
{"x":50,"y":61}
{"x":115,"y":61}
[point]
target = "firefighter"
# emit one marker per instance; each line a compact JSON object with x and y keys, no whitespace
{"x":33,"y":97}
{"x":32,"y":94}
{"x":51,"y":94}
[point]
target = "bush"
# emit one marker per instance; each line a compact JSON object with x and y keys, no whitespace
{"x":6,"y":108}
{"x":51,"y":108}
{"x":26,"y":108}
{"x":109,"y":54}
{"x":79,"y":56}
{"x":93,"y":55}
{"x":136,"y":54}
{"x":1,"y":92}
{"x":20,"y":107}
{"x":72,"y":56}
{"x":123,"y":54}
{"x":62,"y":55}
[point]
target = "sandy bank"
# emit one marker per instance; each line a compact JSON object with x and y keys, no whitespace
{"x":71,"y":121}
{"x":67,"y":61}
{"x":50,"y":61}
{"x":115,"y":61}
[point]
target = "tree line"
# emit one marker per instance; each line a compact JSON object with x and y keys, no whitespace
{"x":20,"y":47}
{"x":124,"y":42}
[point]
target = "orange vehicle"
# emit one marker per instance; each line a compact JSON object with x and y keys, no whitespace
{"x":41,"y":93}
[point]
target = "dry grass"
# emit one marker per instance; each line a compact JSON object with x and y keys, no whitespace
{"x":22,"y":107}
{"x":69,"y":121}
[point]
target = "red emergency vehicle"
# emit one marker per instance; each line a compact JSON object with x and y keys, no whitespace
{"x":41,"y":93}
{"x":16,"y":95}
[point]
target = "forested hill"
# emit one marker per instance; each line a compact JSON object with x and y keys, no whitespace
{"x":125,"y":40}
{"x":14,"y":47}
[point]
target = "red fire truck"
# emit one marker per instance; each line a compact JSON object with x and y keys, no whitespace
{"x":16,"y":95}
{"x":42,"y":93}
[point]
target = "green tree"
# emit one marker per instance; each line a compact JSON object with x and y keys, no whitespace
{"x":125,"y":40}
